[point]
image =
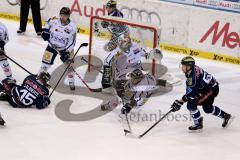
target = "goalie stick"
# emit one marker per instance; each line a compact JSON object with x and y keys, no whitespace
{"x":82,"y":45}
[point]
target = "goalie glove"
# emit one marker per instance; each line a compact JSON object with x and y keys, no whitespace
{"x":155,"y":54}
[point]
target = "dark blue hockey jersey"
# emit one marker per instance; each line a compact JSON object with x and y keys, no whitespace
{"x":198,"y":83}
{"x":31,"y":92}
{"x":116,"y":13}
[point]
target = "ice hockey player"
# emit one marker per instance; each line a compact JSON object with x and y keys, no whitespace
{"x":33,"y":91}
{"x":2,"y":122}
{"x":112,"y":9}
{"x":201,"y":89}
{"x":3,"y":60}
{"x":124,"y":59}
{"x":61,"y":35}
{"x":116,"y":29}
{"x":135,"y":92}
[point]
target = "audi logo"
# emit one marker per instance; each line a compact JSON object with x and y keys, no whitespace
{"x":18,"y":2}
{"x":141,"y":15}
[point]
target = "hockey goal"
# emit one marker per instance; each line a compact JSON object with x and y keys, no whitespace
{"x":105,"y":30}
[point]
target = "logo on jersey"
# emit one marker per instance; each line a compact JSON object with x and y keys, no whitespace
{"x":189,"y":82}
{"x":68,"y":31}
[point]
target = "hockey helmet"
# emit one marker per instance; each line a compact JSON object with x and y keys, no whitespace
{"x":44,"y":77}
{"x":111,"y":4}
{"x":65,"y":11}
{"x":189,"y":61}
{"x":136,"y":74}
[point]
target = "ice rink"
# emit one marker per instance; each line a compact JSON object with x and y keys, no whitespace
{"x":32,"y":134}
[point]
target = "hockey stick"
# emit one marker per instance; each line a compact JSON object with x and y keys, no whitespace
{"x":129,"y":127}
{"x":94,"y":67}
{"x":82,"y":45}
{"x":140,"y":136}
{"x":90,"y":89}
{"x":18,"y":64}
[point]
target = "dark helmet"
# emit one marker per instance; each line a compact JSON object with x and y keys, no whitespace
{"x":65,"y":11}
{"x":189,"y":61}
{"x":136,"y":74}
{"x":112,"y":4}
{"x":44,"y":77}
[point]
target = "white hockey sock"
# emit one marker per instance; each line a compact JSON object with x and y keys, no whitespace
{"x":6,"y":68}
{"x":44,"y":68}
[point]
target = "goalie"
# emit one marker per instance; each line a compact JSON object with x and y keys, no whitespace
{"x":123,"y":60}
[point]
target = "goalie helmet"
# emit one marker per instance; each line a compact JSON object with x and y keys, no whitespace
{"x":44,"y":77}
{"x":124,"y":42}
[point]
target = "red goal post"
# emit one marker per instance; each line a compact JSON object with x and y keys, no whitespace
{"x":145,"y":35}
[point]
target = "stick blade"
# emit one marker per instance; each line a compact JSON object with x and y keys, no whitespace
{"x":84,"y":44}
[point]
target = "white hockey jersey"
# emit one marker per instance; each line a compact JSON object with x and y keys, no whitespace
{"x":141,"y":91}
{"x":62,"y":37}
{"x":3,"y":33}
{"x":125,"y":62}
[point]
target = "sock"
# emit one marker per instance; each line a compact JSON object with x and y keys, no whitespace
{"x":6,"y":68}
{"x":44,"y":68}
{"x":196,"y":115}
{"x":218,"y":112}
{"x":70,"y":76}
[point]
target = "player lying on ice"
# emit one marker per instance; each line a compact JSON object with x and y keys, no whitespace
{"x":33,"y":91}
{"x":202,"y":89}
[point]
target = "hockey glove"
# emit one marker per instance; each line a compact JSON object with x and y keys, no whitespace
{"x":45,"y":34}
{"x":2,"y":44}
{"x":43,"y":103}
{"x":104,"y":24}
{"x":64,"y":55}
{"x":176,"y":105}
{"x":126,"y":108}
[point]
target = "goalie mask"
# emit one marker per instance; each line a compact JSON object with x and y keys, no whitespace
{"x":124,"y":42}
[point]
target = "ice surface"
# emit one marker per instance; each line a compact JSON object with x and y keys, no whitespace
{"x":31,"y":134}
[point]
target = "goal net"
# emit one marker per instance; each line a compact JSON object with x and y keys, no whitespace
{"x":104,"y":33}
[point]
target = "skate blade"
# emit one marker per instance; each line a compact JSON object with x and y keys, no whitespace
{"x":195,"y":131}
{"x":229,"y":122}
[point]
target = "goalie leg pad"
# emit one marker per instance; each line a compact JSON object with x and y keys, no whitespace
{"x":106,"y":78}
